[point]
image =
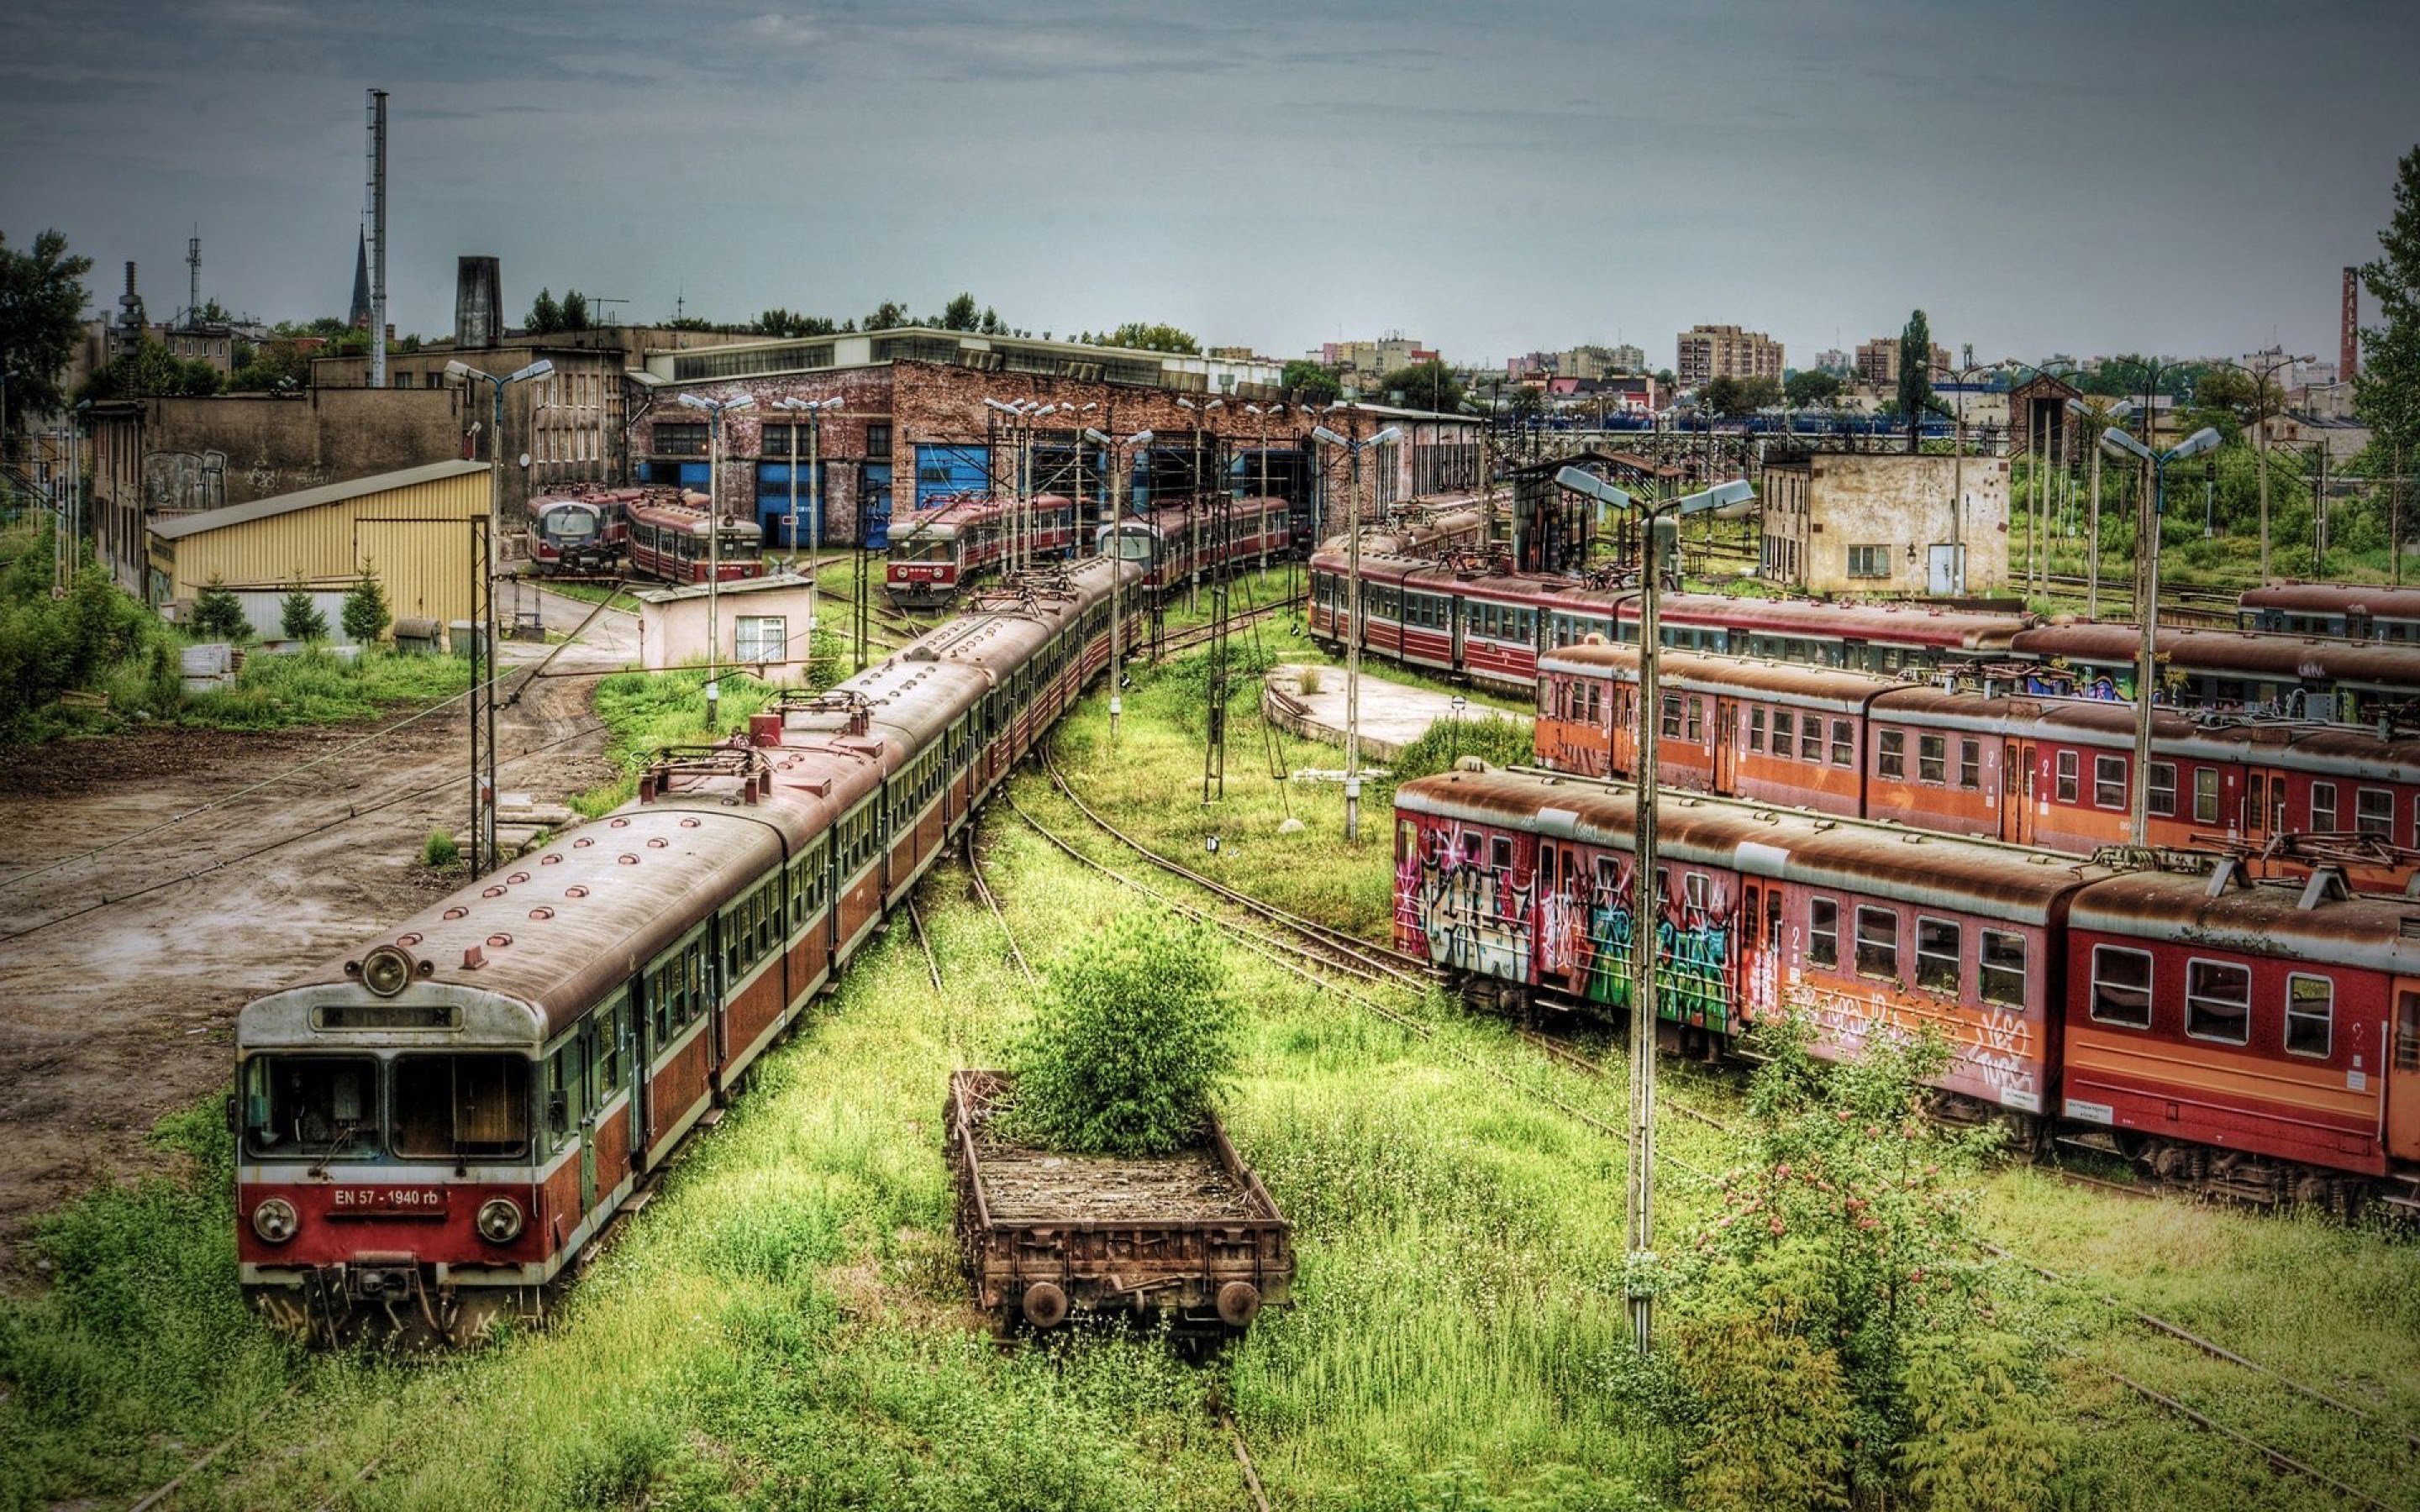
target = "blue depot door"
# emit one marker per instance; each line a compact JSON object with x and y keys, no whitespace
{"x":874,"y":500}
{"x":773,"y":501}
{"x":945,"y":470}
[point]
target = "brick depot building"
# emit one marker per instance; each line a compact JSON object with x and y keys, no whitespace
{"x":912,"y":426}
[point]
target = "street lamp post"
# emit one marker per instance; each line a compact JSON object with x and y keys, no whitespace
{"x":2138,"y":805}
{"x":1114,"y":546}
{"x":483,"y":658}
{"x":2097,"y":418}
{"x":1354,"y":446}
{"x":715,"y":409}
{"x":1192,"y":515}
{"x":815,"y":409}
{"x":1662,"y":537}
{"x":2261,"y":378}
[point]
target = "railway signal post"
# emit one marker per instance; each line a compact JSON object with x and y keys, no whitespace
{"x":715,"y":410}
{"x":1662,"y":543}
{"x":1354,"y":446}
{"x":2138,"y":790}
{"x":1115,"y":547}
{"x":814,"y":410}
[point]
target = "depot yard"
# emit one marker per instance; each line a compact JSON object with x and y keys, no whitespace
{"x":786,"y":1324}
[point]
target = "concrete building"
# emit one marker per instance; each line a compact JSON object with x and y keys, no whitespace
{"x":155,"y":459}
{"x":1863,"y":522}
{"x":761,"y":624}
{"x":411,"y":527}
{"x":1709,"y":352}
{"x":1878,"y":360}
{"x":1834,"y":361}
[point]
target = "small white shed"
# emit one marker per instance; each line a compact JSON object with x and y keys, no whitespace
{"x":762,"y":624}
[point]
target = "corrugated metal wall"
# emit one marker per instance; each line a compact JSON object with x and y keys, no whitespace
{"x":417,"y":537}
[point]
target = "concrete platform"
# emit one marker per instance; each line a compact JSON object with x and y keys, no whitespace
{"x":1393,"y":714}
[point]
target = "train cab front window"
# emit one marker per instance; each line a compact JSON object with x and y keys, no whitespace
{"x":461,"y":1107}
{"x":311,"y":1107}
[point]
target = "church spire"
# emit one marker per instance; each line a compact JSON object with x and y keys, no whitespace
{"x":360,"y":319}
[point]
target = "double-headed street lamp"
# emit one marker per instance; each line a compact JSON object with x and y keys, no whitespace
{"x":2138,"y":807}
{"x":1113,"y":546}
{"x":1192,"y":516}
{"x":2096,"y":417}
{"x":1354,"y":446}
{"x":1663,"y":537}
{"x":715,"y":409}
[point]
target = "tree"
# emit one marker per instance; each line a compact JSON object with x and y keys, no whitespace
{"x":1915,"y":382}
{"x":366,"y":613}
{"x":279,"y":362}
{"x":2386,"y":393}
{"x":780,"y":322}
{"x":1724,"y":398}
{"x":299,"y":618}
{"x":887,"y":316}
{"x":150,"y":371}
{"x":1310,"y":383}
{"x":1133,"y":1039}
{"x":1664,"y":378}
{"x":992,"y":325}
{"x":1428,"y":385}
{"x":1527,"y":401}
{"x":218,"y":615}
{"x":1760,"y":392}
{"x":575,"y":310}
{"x":1151,"y":338}
{"x":1811,"y":388}
{"x":41,"y":316}
{"x":544,"y":315}
{"x":960,"y":315}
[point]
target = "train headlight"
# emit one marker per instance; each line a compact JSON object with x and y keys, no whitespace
{"x":276,"y":1221}
{"x":499,"y":1220}
{"x":387,"y":970}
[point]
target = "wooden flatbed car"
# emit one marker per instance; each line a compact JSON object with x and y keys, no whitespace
{"x":1192,"y":1236}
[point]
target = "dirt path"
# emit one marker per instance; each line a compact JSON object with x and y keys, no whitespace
{"x":115,"y":1013}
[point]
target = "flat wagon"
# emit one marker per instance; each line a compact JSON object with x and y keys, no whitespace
{"x":1192,"y":1238}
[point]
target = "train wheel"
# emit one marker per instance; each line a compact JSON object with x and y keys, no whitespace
{"x":1044,"y":1305}
{"x":1239,"y":1303}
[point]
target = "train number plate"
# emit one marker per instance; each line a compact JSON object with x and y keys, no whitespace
{"x":386,"y":1202}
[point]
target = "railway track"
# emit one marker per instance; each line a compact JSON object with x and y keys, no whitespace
{"x":2181,"y":608}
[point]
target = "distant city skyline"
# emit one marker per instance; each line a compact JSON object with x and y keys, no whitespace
{"x":2187,"y":179}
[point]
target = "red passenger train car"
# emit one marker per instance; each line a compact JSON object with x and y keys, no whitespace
{"x":2353,"y":611}
{"x":576,"y":532}
{"x":938,"y":550}
{"x":2254,"y":1039}
{"x":670,"y":541}
{"x":2050,"y":772}
{"x":434,"y":1126}
{"x":1179,"y":543}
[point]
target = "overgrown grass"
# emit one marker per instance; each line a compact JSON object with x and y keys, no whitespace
{"x":312,"y":688}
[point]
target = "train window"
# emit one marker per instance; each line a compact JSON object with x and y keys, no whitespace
{"x":2218,"y":1001}
{"x":1844,"y":743}
{"x":2310,"y":1015}
{"x":2121,"y":986}
{"x":2109,"y":782}
{"x":1785,"y":732}
{"x":1877,"y":942}
{"x":1501,"y":855}
{"x":2324,"y":807}
{"x":311,"y":1106}
{"x":2001,"y":968}
{"x":1891,"y":755}
{"x":1749,"y":915}
{"x":2206,"y":795}
{"x":2068,"y":783}
{"x":1694,"y":890}
{"x":1470,"y":848}
{"x":1773,"y":918}
{"x":1671,"y":716}
{"x":1940,"y":948}
{"x":1970,"y":764}
{"x":612,"y":1027}
{"x":2163,"y":796}
{"x":1697,"y":722}
{"x":1810,"y":738}
{"x":1932,"y":759}
{"x":1755,"y":729}
{"x":2373,"y":811}
{"x":1823,"y":932}
{"x":2407,"y":1031}
{"x":467,"y":1107}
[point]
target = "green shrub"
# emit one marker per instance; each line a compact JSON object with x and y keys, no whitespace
{"x":1491,"y":738}
{"x":218,"y":615}
{"x":440,"y":850}
{"x":1133,"y":1038}
{"x":366,"y":614}
{"x":299,"y":618}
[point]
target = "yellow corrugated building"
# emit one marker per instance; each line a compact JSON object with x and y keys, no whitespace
{"x":412,"y":527}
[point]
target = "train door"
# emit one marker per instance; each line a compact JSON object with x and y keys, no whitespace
{"x":594,"y":1034}
{"x":2264,"y":804}
{"x":631,"y":1029}
{"x":1726,"y":745}
{"x":2017,"y":791}
{"x":2403,"y":1074}
{"x":1454,"y":605}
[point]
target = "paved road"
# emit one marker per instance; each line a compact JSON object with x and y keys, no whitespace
{"x":609,"y":643}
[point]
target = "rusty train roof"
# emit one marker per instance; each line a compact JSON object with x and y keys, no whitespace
{"x":1871,"y":858}
{"x":605,"y":898}
{"x":2268,"y":919}
{"x":1911,"y":624}
{"x":1837,"y":690}
{"x":2335,"y":598}
{"x":2239,"y":652}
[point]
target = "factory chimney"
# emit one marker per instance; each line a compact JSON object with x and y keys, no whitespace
{"x":378,"y":237}
{"x":2349,"y":337}
{"x":478,"y":302}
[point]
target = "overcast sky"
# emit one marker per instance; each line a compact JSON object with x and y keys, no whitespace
{"x":2067,"y":176}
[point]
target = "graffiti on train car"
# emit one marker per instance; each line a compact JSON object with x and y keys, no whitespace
{"x":1469,"y":906}
{"x":1992,"y":1049}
